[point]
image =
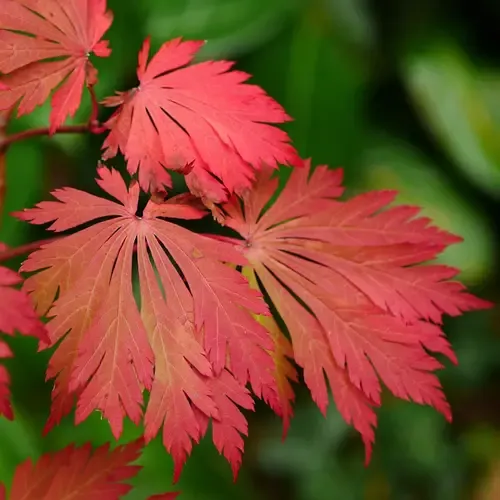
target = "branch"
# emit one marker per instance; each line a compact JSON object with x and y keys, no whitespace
{"x":92,"y":126}
{"x":94,"y":114}
{"x":11,"y":253}
{"x":34,"y":132}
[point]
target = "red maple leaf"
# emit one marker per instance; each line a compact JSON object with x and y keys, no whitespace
{"x":204,"y":116}
{"x":194,"y":324}
{"x":346,"y":279}
{"x":281,"y":401}
{"x":78,"y":474}
{"x":16,"y":314}
{"x":44,"y":45}
{"x":231,"y":425}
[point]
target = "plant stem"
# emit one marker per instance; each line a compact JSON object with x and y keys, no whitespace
{"x":34,"y":132}
{"x":92,"y":126}
{"x":95,"y":105}
{"x":95,"y":127}
{"x":10,"y":253}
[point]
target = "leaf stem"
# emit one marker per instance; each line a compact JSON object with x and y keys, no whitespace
{"x":11,"y":253}
{"x":95,"y":127}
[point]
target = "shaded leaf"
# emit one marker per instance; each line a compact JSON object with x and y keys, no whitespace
{"x":16,"y":314}
{"x":448,"y":92}
{"x":203,"y":116}
{"x":77,"y":473}
{"x":284,"y":372}
{"x":46,"y":45}
{"x":194,"y":324}
{"x":343,"y":276}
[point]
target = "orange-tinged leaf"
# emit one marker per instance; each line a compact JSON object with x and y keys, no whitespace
{"x":177,"y":387}
{"x":46,"y":45}
{"x":312,"y":352}
{"x":284,"y":372}
{"x":281,"y":401}
{"x":203,"y":115}
{"x":195,"y":321}
{"x":77,"y":474}
{"x":16,"y":314}
{"x":347,"y":279}
{"x":230,"y":427}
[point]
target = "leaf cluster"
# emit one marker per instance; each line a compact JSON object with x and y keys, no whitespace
{"x":352,"y":280}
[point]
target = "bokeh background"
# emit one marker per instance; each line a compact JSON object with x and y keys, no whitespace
{"x":403,"y":95}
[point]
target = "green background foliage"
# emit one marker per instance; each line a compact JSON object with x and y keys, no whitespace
{"x":403,"y":95}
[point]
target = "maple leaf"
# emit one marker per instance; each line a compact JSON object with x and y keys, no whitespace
{"x":229,"y":427}
{"x":16,"y":314}
{"x":46,"y":44}
{"x":195,"y":321}
{"x":203,"y":115}
{"x":280,"y":401}
{"x":78,"y":474}
{"x":345,"y":277}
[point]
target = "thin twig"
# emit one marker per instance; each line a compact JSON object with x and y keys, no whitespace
{"x":10,"y":253}
{"x":34,"y":132}
{"x":92,"y":126}
{"x":95,"y":126}
{"x":94,"y":115}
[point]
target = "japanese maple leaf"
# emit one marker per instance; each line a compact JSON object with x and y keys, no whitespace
{"x":44,"y":45}
{"x":347,"y":279}
{"x":172,"y":336}
{"x":203,"y":115}
{"x":281,"y":401}
{"x":194,"y":323}
{"x":16,"y":314}
{"x":78,"y":474}
{"x":230,"y":426}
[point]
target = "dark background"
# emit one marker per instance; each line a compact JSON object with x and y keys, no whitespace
{"x":403,"y":95}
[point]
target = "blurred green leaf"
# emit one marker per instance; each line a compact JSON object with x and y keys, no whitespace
{"x":231,"y":27}
{"x":351,"y":21}
{"x":24,"y":187}
{"x":310,"y":455}
{"x":483,"y":443}
{"x":391,"y":164}
{"x":478,"y":352}
{"x":207,"y":476}
{"x":415,"y":436}
{"x":156,"y":475}
{"x":94,"y":429}
{"x":18,"y":442}
{"x":320,"y":84}
{"x":449,"y":93}
{"x":324,"y":85}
